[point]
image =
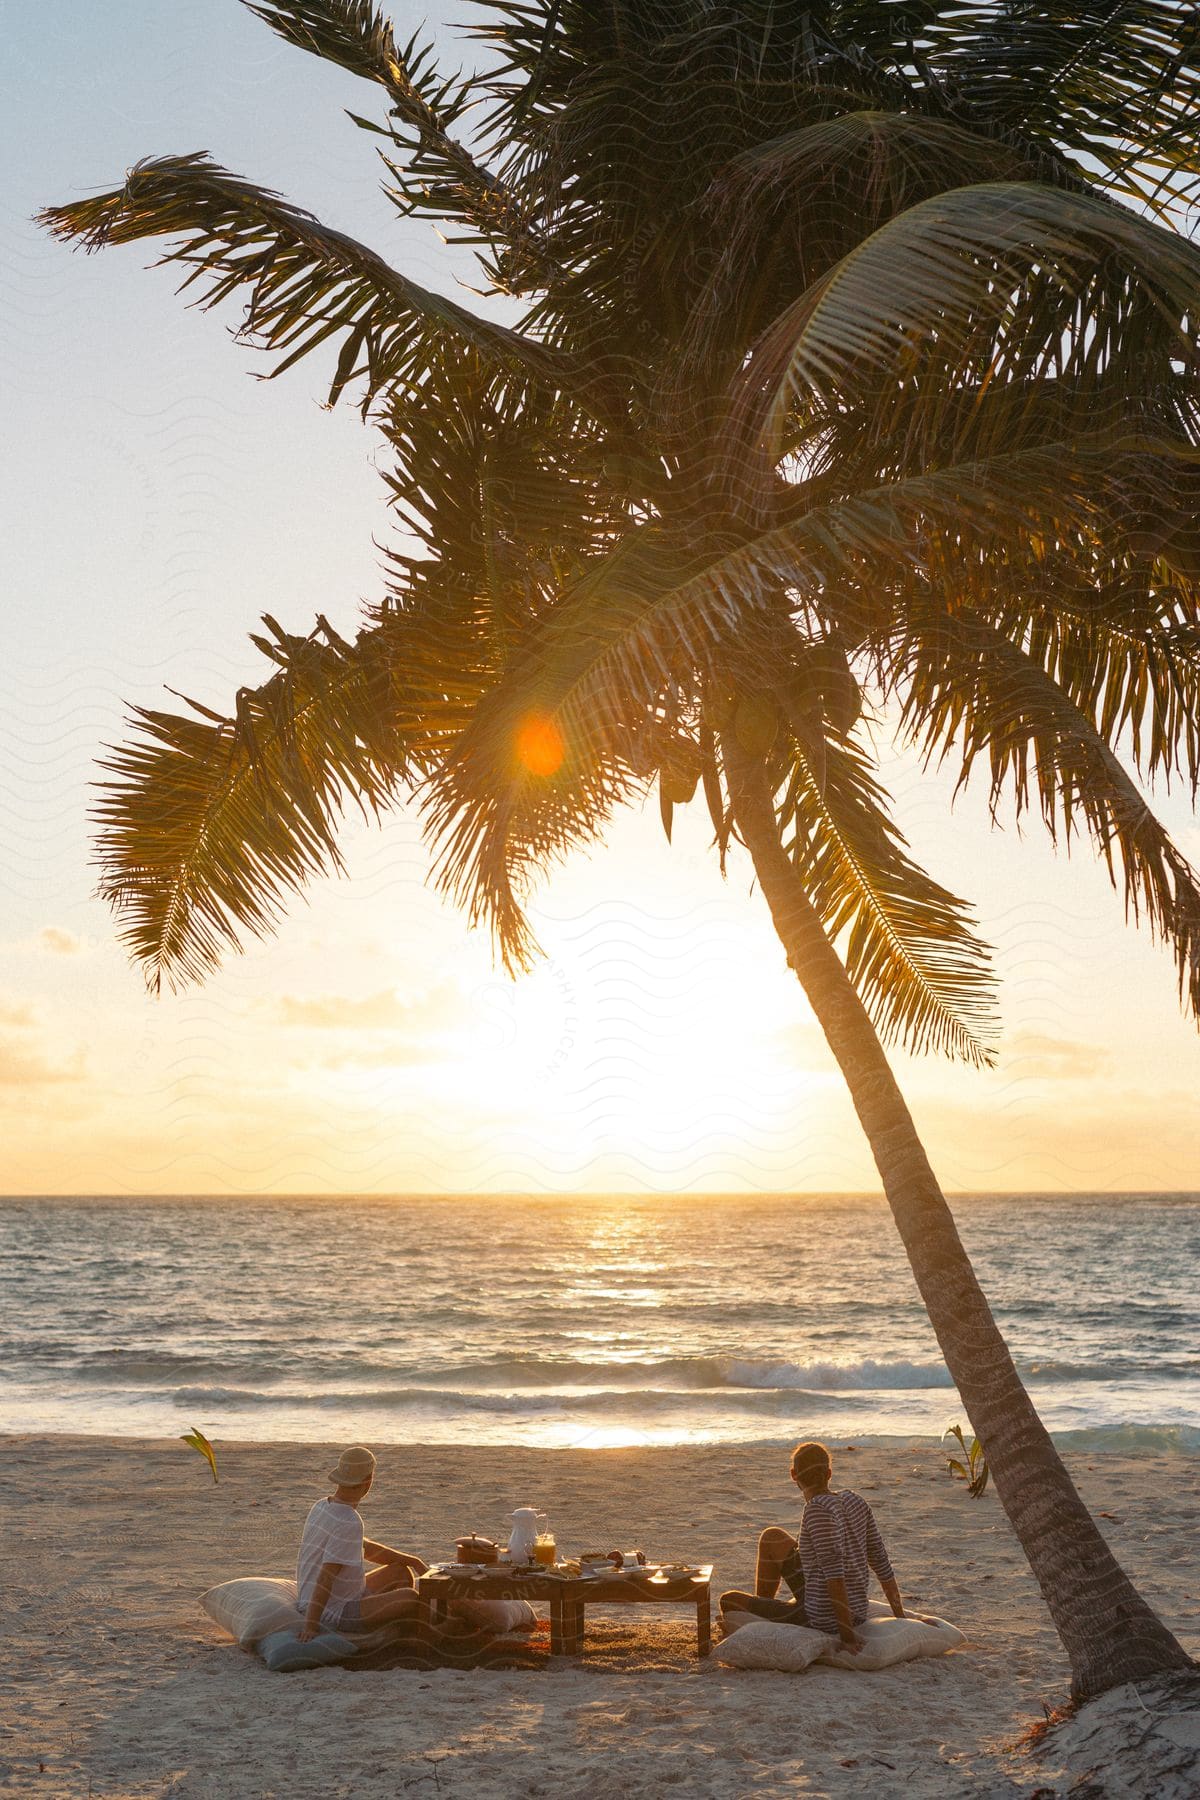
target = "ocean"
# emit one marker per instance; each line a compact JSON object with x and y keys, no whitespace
{"x":582,"y":1320}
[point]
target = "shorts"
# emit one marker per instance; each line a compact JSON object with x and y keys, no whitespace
{"x":349,"y":1619}
{"x":782,"y":1612}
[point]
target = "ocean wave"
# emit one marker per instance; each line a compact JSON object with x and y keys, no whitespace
{"x":538,"y":1420}
{"x":1119,"y":1368}
{"x":615,"y":1403}
{"x":251,"y":1368}
{"x":730,"y":1373}
{"x":690,"y":1373}
{"x":529,"y":1371}
{"x":1131,"y":1439}
{"x":835,"y":1377}
{"x":105,"y":1366}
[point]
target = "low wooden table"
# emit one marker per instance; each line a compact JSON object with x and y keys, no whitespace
{"x":568,"y":1595}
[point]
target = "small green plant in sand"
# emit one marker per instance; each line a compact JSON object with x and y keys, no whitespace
{"x":972,"y":1466}
{"x":201,"y":1445}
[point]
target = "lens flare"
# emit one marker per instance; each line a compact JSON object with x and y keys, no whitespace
{"x":540,"y":745}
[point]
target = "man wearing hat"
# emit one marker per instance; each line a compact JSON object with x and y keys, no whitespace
{"x":335,"y":1592}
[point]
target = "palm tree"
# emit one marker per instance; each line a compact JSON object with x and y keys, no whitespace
{"x":857,"y":364}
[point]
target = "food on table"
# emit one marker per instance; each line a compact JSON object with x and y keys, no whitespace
{"x":620,"y":1559}
{"x":475,"y":1549}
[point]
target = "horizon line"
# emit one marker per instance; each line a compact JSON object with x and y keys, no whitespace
{"x":1037,"y":1193}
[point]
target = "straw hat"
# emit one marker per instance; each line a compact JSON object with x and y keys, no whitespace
{"x":353,"y":1466}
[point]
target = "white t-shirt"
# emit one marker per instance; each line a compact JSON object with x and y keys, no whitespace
{"x":333,"y":1532}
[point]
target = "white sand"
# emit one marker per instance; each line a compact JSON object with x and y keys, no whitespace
{"x":114,"y":1683}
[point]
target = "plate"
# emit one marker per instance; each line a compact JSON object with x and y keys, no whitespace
{"x":592,"y":1571}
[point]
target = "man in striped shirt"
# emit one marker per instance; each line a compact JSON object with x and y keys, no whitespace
{"x":827,"y":1567}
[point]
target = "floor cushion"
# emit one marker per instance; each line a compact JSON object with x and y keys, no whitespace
{"x":261,"y":1612}
{"x":889,"y":1641}
{"x":253,"y":1607}
{"x":283,"y":1652}
{"x":771,"y":1644}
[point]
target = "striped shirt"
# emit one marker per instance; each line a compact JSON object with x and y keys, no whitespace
{"x":839,"y":1539}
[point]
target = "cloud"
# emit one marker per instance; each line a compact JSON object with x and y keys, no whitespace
{"x":335,"y":1012}
{"x":21,"y":1067}
{"x":1029,"y":1053}
{"x":383,"y":1011}
{"x":57,"y":942}
{"x":20,"y":1016}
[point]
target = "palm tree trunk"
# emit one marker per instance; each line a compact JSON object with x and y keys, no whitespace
{"x":1109,"y":1632}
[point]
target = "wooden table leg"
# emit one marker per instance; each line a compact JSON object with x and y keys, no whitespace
{"x":703,"y":1623}
{"x":557,"y":1647}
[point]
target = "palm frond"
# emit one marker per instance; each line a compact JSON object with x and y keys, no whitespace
{"x":658,"y":601}
{"x":503,"y":490}
{"x":304,"y":282}
{"x":208,"y":824}
{"x":616,"y":119}
{"x":977,"y":697}
{"x":253,"y":802}
{"x":1123,"y":656}
{"x":908,"y":945}
{"x":441,"y":177}
{"x":500,"y":824}
{"x":357,"y":36}
{"x":999,"y":281}
{"x":1110,"y":609}
{"x":784,"y":212}
{"x":1115,"y":83}
{"x":662,"y":613}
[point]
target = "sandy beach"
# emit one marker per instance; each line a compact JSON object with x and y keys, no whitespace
{"x":114,"y":1683}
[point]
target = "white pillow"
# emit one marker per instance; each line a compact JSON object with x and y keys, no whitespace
{"x":888,"y":1641}
{"x":253,"y":1607}
{"x":771,"y":1644}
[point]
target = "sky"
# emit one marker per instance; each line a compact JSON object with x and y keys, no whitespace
{"x":156,"y":500}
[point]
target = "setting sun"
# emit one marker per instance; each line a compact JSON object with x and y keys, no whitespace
{"x":540,"y":745}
